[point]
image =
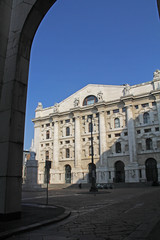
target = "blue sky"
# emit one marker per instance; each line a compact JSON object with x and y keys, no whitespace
{"x":80,"y":42}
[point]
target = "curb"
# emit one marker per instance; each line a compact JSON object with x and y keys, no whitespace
{"x":18,"y":230}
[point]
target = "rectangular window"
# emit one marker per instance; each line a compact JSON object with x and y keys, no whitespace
{"x":147,"y":130}
{"x":145,"y":105}
{"x":109,"y":175}
{"x":124,"y":109}
{"x":125,"y":133}
{"x":136,"y":106}
{"x":48,"y":124}
{"x":138,"y":131}
{"x":83,"y":117}
{"x":41,"y":145}
{"x":52,"y":124}
{"x":109,"y":136}
{"x":47,"y":155}
{"x":47,"y":144}
{"x":67,"y":120}
{"x":61,"y":142}
{"x":67,"y":142}
{"x":98,"y":137}
{"x":73,"y":120}
{"x":83,"y":139}
{"x":157,"y":129}
{"x":153,"y":103}
{"x":117,"y":135}
{"x":108,"y":112}
{"x":97,"y":115}
{"x":42,"y":126}
{"x":116,"y":111}
{"x":61,"y":122}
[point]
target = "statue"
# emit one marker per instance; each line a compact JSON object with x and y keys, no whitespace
{"x":56,"y":106}
{"x":126,"y":90}
{"x":99,"y":96}
{"x":32,"y":151}
{"x":39,"y":107}
{"x":156,"y":74}
{"x":76,"y":102}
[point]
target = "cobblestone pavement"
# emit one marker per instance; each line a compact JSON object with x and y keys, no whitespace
{"x":114,"y":214}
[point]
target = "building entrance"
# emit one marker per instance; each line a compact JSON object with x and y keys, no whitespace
{"x":119,"y":172}
{"x":151,"y":170}
{"x":67,"y":174}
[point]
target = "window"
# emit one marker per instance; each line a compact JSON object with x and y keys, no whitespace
{"x":47,"y":134}
{"x":73,"y":120}
{"x":67,"y":142}
{"x":42,"y":126}
{"x":147,"y":130}
{"x":117,"y":135}
{"x":52,"y":124}
{"x":145,"y":105}
{"x":124,"y":109}
{"x":157,"y":129}
{"x":118,"y":147}
{"x":153,"y":103}
{"x":83,"y":117}
{"x":61,"y":142}
{"x":83,"y":139}
{"x":67,"y":131}
{"x":125,"y":133}
{"x":138,"y":131}
{"x":61,"y":122}
{"x":109,"y":136}
{"x":90,"y":100}
{"x":116,"y":111}
{"x":47,"y":144}
{"x":136,"y":106}
{"x":97,"y":115}
{"x":67,"y":120}
{"x":108,"y":112}
{"x":146,"y":118}
{"x":90,"y":127}
{"x":67,"y":153}
{"x":149,"y":144}
{"x":90,"y":150}
{"x":140,"y":173}
{"x":116,"y":123}
{"x":47,"y":155}
{"x":48,"y":124}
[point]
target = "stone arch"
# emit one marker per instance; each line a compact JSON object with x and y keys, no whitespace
{"x":68,"y":170}
{"x":119,"y":171}
{"x":151,"y":170}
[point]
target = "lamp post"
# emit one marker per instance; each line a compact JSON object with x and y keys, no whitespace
{"x":93,"y":167}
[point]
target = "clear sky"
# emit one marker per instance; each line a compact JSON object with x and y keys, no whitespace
{"x":82,"y":42}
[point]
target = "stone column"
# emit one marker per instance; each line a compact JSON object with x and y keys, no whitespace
{"x":131,"y":135}
{"x":77,"y":133}
{"x":102,"y":139}
{"x":56,"y":145}
{"x":132,"y":168}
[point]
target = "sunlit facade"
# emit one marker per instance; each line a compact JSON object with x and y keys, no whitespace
{"x":126,"y":134}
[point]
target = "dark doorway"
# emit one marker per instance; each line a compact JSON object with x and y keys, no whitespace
{"x":90,"y":172}
{"x":151,"y":170}
{"x":67,"y":174}
{"x":119,"y":172}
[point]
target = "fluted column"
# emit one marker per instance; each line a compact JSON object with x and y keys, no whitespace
{"x":102,"y":138}
{"x":56,"y":145}
{"x":131,"y":135}
{"x":77,"y":141}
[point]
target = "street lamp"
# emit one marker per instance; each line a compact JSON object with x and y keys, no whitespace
{"x":93,"y":167}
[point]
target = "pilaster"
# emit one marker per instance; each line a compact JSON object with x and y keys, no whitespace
{"x":56,"y":144}
{"x":102,"y":137}
{"x":77,"y":141}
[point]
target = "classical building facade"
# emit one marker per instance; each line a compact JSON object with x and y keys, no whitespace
{"x":126,"y":134}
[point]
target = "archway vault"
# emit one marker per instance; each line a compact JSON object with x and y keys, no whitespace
{"x":20,"y":21}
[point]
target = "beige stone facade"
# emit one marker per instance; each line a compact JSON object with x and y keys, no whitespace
{"x":126,"y":134}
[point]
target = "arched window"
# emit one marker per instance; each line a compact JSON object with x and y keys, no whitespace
{"x":67,"y":153}
{"x":146,"y":118}
{"x":90,"y":127}
{"x":67,"y":131}
{"x":47,"y":134}
{"x":116,"y":123}
{"x":47,"y":155}
{"x":90,"y":150}
{"x":149,"y":145}
{"x":90,"y":100}
{"x":118,"y":147}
